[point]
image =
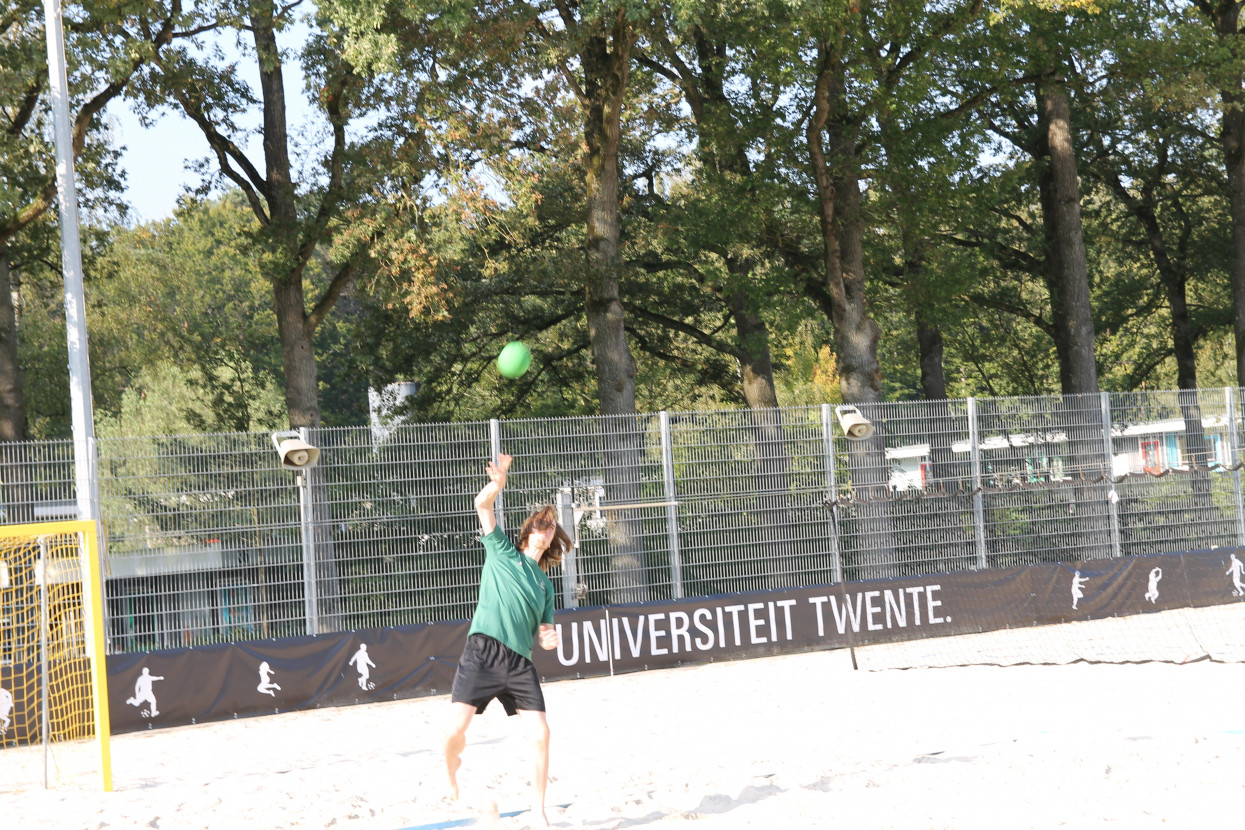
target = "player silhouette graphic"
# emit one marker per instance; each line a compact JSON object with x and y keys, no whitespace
{"x":1078,"y":582}
{"x":364,"y":664}
{"x":143,"y":692}
{"x":1235,"y":570}
{"x":6,"y":706}
{"x":1152,"y":593}
{"x":266,"y":685}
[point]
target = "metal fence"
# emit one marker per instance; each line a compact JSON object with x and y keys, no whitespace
{"x":209,"y":540}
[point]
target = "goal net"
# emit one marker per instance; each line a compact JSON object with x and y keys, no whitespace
{"x":53,"y":693}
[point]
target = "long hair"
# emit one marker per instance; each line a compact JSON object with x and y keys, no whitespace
{"x":544,"y":519}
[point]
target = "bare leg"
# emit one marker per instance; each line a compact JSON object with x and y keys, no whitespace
{"x":538,"y":729}
{"x":455,"y":741}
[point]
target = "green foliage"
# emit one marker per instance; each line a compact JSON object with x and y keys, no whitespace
{"x":461,"y":207}
{"x":188,"y":289}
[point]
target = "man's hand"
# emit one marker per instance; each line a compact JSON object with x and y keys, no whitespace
{"x":549,"y":638}
{"x":497,"y":472}
{"x":485,"y":498}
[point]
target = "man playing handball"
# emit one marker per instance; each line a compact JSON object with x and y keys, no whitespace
{"x":515,"y":605}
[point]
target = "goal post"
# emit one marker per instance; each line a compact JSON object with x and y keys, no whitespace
{"x":53,"y":677}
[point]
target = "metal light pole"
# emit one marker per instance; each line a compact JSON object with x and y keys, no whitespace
{"x":71,"y":264}
{"x":93,"y":589}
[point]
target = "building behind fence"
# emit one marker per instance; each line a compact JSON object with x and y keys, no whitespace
{"x":209,"y":540}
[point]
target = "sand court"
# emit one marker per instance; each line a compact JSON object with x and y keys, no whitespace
{"x":793,"y":741}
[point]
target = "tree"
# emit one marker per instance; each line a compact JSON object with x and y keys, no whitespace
{"x":863,"y":56}
{"x":590,"y":47}
{"x":300,"y":207}
{"x":103,"y":59}
{"x":1224,"y":17}
{"x":729,"y":220}
{"x":1156,"y":163}
{"x":187,"y":291}
{"x":717,"y":62}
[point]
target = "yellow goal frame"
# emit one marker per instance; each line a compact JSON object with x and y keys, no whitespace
{"x":87,"y":533}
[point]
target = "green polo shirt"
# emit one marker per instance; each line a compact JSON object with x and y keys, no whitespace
{"x":516,"y":596}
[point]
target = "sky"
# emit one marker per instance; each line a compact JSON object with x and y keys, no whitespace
{"x":154,"y":160}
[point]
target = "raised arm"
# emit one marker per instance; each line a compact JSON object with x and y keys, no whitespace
{"x":490,"y":492}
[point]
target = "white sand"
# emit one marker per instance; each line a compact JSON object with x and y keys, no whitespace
{"x":787,"y":742}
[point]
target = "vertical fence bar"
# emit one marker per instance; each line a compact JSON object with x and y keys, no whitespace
{"x":494,"y":443}
{"x":570,"y":568}
{"x":1113,"y":498}
{"x":311,"y":600}
{"x":1234,"y":450}
{"x":832,"y":490}
{"x":672,"y":509}
{"x":979,"y":508}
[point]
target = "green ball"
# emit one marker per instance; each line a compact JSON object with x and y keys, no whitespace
{"x":514,"y":359}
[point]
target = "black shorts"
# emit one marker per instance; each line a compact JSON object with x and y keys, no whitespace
{"x":488,"y":669}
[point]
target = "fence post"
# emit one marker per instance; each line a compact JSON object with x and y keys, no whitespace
{"x":979,"y":508}
{"x":311,"y":598}
{"x":1113,"y":498}
{"x":832,"y":490}
{"x":1234,"y":450}
{"x":570,"y":568}
{"x":494,"y":443}
{"x":672,"y":509}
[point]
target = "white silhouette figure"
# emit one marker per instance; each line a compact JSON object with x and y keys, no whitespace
{"x":6,"y":706}
{"x":142,"y":691}
{"x":1078,"y":582}
{"x":1235,"y":570}
{"x":363,"y":663}
{"x":1153,"y":593}
{"x":265,"y":680}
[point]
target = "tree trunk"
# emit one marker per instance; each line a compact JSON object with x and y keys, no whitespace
{"x":1225,"y":16}
{"x":1197,"y":446}
{"x":1182,"y":334}
{"x":836,"y":176}
{"x":12,"y":395}
{"x":773,"y":463}
{"x":1173,"y":275}
{"x":723,"y":157}
{"x":928,"y":333}
{"x":1234,"y":159}
{"x":946,"y":474}
{"x":838,"y":198}
{"x":605,"y":72}
{"x":15,"y":496}
{"x":289,"y":302}
{"x":606,"y":63}
{"x":285,"y":264}
{"x":929,"y":346}
{"x":297,"y":353}
{"x":756,"y":367}
{"x":1067,"y":275}
{"x":1067,"y":281}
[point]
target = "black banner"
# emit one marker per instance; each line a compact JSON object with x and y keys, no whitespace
{"x":168,"y":688}
{"x":182,"y":686}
